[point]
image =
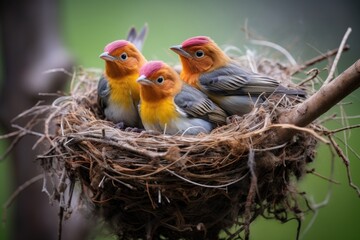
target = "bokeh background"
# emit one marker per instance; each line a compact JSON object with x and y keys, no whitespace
{"x":304,"y":28}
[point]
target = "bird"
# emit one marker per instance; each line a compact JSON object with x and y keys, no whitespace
{"x":232,"y":87}
{"x":169,"y":105}
{"x":118,"y":92}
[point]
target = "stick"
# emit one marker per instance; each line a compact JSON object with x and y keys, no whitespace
{"x":337,"y":57}
{"x":328,"y":96}
{"x":278,"y":48}
{"x":319,"y":58}
{"x":18,"y":191}
{"x":60,"y":224}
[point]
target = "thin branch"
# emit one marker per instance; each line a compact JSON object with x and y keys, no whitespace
{"x":205,"y":185}
{"x":12,"y":145}
{"x":319,"y":103}
{"x":348,"y":117}
{"x":27,"y":131}
{"x":313,"y":74}
{"x":312,"y":171}
{"x":9,"y":135}
{"x":18,"y":191}
{"x":60,"y":224}
{"x":291,"y":127}
{"x":277,"y":47}
{"x":57,"y":70}
{"x":344,"y":129}
{"x":251,"y":194}
{"x":346,"y":163}
{"x":325,"y":201}
{"x":337,"y":57}
{"x":319,"y":58}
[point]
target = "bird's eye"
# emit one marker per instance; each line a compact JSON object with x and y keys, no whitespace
{"x":123,"y":56}
{"x":160,"y":80}
{"x":199,"y":53}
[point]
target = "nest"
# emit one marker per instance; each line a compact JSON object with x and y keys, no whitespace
{"x":149,"y":185}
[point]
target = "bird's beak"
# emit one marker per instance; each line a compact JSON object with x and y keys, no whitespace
{"x":106,"y":56}
{"x":144,"y":81}
{"x":179,"y":50}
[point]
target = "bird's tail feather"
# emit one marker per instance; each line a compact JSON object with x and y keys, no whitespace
{"x":283,"y":90}
{"x":138,"y":39}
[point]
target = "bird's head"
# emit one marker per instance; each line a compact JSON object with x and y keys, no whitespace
{"x":158,"y":81}
{"x":200,"y":54}
{"x":122,"y":58}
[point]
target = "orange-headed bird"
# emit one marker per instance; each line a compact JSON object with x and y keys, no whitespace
{"x":169,"y":105}
{"x":118,"y":92}
{"x":206,"y":67}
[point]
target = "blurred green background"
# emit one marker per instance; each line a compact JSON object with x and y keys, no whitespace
{"x":304,"y":28}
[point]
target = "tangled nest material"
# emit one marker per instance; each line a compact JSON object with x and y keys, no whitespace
{"x":153,"y":186}
{"x":149,"y":185}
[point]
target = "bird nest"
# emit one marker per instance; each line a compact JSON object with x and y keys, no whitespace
{"x":148,"y":185}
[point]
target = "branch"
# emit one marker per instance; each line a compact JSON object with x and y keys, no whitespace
{"x":324,"y":99}
{"x":320,"y":58}
{"x":337,"y":57}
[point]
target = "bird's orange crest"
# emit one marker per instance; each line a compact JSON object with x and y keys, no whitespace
{"x":115,"y":45}
{"x":199,"y":40}
{"x":151,"y":67}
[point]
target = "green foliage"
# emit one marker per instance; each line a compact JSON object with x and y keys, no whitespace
{"x":5,"y":190}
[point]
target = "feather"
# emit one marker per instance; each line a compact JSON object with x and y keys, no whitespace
{"x":138,"y":39}
{"x":200,"y":40}
{"x":103,"y":90}
{"x":233,"y":80}
{"x":197,"y":105}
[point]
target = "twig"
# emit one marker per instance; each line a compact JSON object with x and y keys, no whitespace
{"x":323,"y":203}
{"x":346,"y":162}
{"x":319,"y":103}
{"x":290,"y":127}
{"x":61,"y":217}
{"x":251,"y":194}
{"x":337,"y":57}
{"x":119,"y":181}
{"x":57,"y":70}
{"x":353,"y":151}
{"x":18,"y":191}
{"x":278,"y":48}
{"x":314,"y":72}
{"x":348,"y":117}
{"x":319,"y":58}
{"x":205,"y":185}
{"x":343,"y":129}
{"x":327,"y":118}
{"x":27,"y":131}
{"x":312,"y":171}
{"x":9,"y":135}
{"x":12,"y":145}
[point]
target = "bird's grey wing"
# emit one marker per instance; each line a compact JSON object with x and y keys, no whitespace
{"x":234,"y":80}
{"x":196,"y":104}
{"x":103,"y":91}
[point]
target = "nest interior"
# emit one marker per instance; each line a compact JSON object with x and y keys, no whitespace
{"x":149,"y":185}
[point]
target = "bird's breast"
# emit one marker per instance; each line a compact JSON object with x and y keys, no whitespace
{"x":125,"y":92}
{"x":160,"y":112}
{"x":164,"y":117}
